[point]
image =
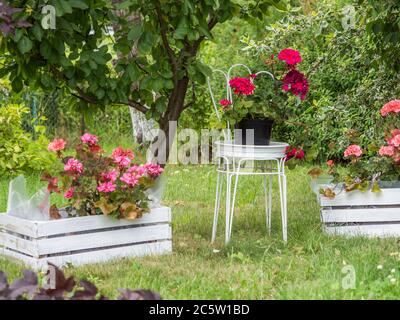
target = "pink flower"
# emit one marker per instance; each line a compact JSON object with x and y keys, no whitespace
{"x":56,"y":145}
{"x":153,"y":170}
{"x":290,"y":56}
{"x":330,"y":163}
{"x":396,"y":140}
{"x":225,"y":102}
{"x":300,"y":154}
{"x":122,"y":157}
{"x":89,"y":139}
{"x":110,"y":176}
{"x":242,"y":86}
{"x":138,"y":171}
{"x":130,"y":179}
{"x":391,"y":106}
{"x":73,"y":166}
{"x":387,"y":151}
{"x":353,"y":150}
{"x":69,"y":193}
{"x":296,"y":82}
{"x":106,"y":187}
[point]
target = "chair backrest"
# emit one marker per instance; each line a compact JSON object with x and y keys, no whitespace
{"x":229,"y":96}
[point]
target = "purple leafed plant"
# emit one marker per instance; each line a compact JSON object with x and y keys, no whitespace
{"x":7,"y":22}
{"x":28,"y":288}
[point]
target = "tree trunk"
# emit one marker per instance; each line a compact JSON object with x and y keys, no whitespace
{"x":160,"y":150}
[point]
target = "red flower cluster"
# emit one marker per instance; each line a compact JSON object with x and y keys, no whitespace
{"x":391,"y":107}
{"x":242,"y":86}
{"x":225,"y":103}
{"x":292,"y":152}
{"x":295,"y":82}
{"x":290,"y":56}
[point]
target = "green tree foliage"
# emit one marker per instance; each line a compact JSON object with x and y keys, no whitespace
{"x":148,"y":63}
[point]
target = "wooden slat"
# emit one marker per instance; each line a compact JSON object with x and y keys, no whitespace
{"x":358,"y":198}
{"x":103,"y":239}
{"x":18,"y":225}
{"x":139,"y":250}
{"x":78,"y":224}
{"x":16,"y":243}
{"x":360,"y":215}
{"x":383,"y":230}
{"x":94,"y":256}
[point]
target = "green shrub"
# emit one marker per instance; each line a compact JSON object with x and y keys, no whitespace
{"x":19,"y":152}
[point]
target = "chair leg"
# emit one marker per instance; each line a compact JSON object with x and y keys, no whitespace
{"x":218,"y":192}
{"x":285,"y":208}
{"x":233,"y":204}
{"x":266,"y":200}
{"x":228,"y":207}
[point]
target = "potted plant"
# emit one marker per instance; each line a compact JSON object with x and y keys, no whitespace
{"x":254,"y":106}
{"x":108,"y":206}
{"x":364,"y":196}
{"x":93,"y":183}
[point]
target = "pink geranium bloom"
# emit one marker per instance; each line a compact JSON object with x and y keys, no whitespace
{"x":300,"y":154}
{"x":330,"y":163}
{"x":56,"y":145}
{"x":153,"y":170}
{"x":225,"y":102}
{"x":390,"y":107}
{"x":353,"y":150}
{"x":242,"y":86}
{"x":129,"y":178}
{"x":69,"y":193}
{"x":396,"y":140}
{"x":290,"y":56}
{"x":110,"y":176}
{"x":73,"y":166}
{"x":296,"y":82}
{"x":106,"y":187}
{"x":89,"y":139}
{"x":387,"y":151}
{"x":122,"y":157}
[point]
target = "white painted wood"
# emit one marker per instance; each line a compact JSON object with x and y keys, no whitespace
{"x":78,"y":224}
{"x":358,"y":198}
{"x":139,"y":250}
{"x":378,"y":230}
{"x":103,"y":239}
{"x":28,"y":247}
{"x":150,"y":234}
{"x":360,"y":215}
{"x":18,"y":225}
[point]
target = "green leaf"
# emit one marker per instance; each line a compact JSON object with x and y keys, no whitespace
{"x":123,"y":5}
{"x":375,"y":187}
{"x":37,"y":32}
{"x":24,"y":45}
{"x":78,"y":4}
{"x":146,"y":42}
{"x":135,"y":32}
{"x":182,"y":30}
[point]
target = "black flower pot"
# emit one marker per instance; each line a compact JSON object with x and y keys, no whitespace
{"x":261,"y":128}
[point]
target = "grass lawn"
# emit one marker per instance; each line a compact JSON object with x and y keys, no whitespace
{"x":254,"y":265}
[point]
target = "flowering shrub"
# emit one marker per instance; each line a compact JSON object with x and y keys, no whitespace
{"x":365,"y":171}
{"x":20,"y":153}
{"x":97,"y":184}
{"x":248,"y":103}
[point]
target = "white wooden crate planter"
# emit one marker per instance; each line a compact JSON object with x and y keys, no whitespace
{"x":84,"y":240}
{"x":359,"y":213}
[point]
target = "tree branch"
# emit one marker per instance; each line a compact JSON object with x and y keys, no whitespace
{"x":136,"y":105}
{"x":163,"y":30}
{"x":193,"y":97}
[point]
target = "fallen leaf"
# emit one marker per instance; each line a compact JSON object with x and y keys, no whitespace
{"x":105,"y":206}
{"x":315,"y":172}
{"x":54,"y":213}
